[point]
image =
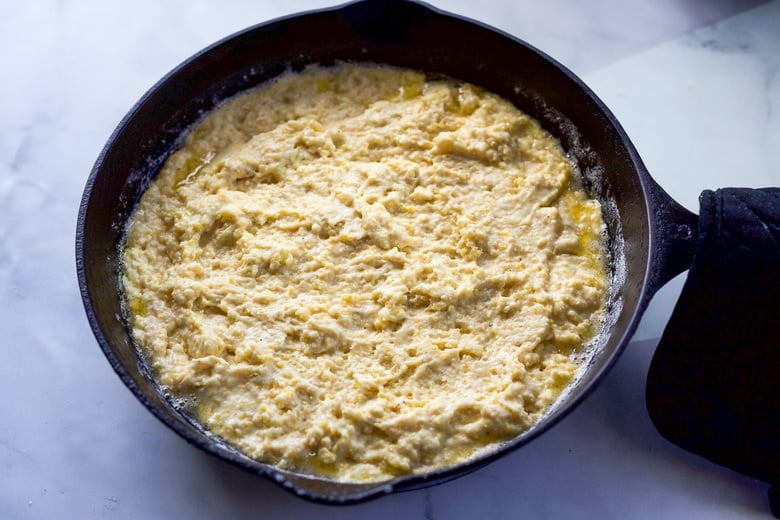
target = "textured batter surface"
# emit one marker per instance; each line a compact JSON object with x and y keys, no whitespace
{"x":360,"y":273}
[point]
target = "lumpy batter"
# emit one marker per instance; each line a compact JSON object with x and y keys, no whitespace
{"x":362,"y":273}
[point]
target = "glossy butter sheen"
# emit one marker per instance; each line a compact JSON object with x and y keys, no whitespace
{"x":361,"y":273}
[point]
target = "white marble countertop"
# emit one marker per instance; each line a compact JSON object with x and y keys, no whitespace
{"x":696,"y":84}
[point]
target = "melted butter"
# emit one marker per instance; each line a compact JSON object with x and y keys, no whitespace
{"x":138,"y":307}
{"x":323,"y":85}
{"x":412,"y":86}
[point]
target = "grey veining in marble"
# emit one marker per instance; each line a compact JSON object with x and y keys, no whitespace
{"x":704,"y":113}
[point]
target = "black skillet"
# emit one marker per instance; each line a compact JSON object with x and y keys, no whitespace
{"x":651,"y":237}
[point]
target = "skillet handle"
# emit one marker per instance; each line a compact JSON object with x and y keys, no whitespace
{"x":387,"y":21}
{"x":673,"y":233}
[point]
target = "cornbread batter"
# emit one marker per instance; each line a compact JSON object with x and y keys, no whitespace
{"x":360,"y":273}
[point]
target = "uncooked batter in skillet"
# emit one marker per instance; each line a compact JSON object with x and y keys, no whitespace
{"x":362,"y":273}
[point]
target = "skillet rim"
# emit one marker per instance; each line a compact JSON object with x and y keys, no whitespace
{"x":596,"y":375}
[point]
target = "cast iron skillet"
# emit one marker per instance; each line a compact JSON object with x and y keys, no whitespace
{"x":651,"y":237}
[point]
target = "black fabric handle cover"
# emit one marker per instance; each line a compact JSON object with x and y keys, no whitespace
{"x":714,"y":382}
